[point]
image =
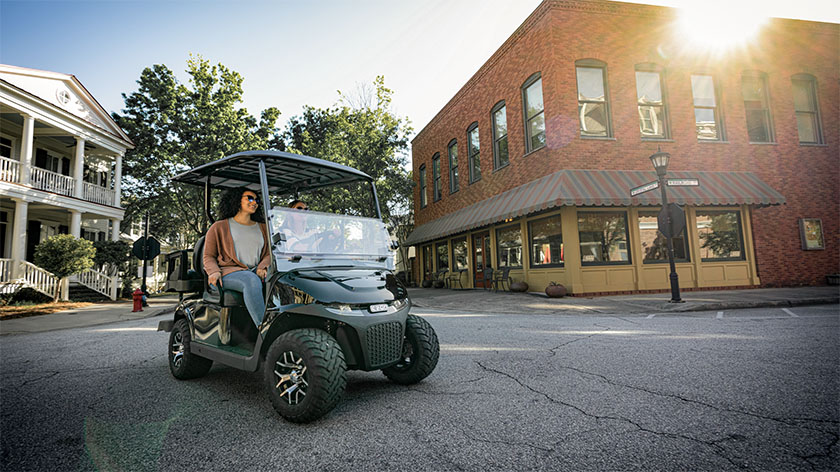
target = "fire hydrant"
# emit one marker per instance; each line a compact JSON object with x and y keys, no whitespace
{"x":137,"y":296}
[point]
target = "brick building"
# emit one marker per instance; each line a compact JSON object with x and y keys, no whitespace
{"x":529,"y":166}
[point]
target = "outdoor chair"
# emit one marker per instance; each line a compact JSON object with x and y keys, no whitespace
{"x":440,"y":278}
{"x":488,"y":278}
{"x":455,"y":277}
{"x":501,"y":278}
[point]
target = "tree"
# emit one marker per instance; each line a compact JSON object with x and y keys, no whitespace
{"x":113,"y":254}
{"x":360,"y":132}
{"x":176,"y":127}
{"x":64,"y":255}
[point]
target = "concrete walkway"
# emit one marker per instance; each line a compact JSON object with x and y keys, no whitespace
{"x":91,"y":315}
{"x":475,"y":301}
{"x":481,"y":301}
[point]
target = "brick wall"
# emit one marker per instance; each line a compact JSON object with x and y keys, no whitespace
{"x":623,"y":35}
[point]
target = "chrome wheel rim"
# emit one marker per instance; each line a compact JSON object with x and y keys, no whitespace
{"x":177,"y":350}
{"x":290,"y":374}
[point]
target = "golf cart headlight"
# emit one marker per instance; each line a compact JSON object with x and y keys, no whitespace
{"x":400,"y":303}
{"x":340,"y":308}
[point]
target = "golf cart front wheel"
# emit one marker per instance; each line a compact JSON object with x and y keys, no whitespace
{"x":419,"y":355}
{"x":183,"y":363}
{"x":305,"y":374}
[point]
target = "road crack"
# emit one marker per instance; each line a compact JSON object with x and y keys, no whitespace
{"x":718,"y":450}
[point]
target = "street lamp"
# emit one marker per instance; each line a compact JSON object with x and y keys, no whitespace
{"x":660,"y":163}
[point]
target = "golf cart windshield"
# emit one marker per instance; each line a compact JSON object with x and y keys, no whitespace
{"x":309,"y":238}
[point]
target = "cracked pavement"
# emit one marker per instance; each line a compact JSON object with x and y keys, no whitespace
{"x":756,"y":390}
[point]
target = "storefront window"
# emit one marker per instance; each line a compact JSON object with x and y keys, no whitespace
{"x":442,"y":252}
{"x":603,"y":238}
{"x":654,"y":245}
{"x":509,"y":244}
{"x":459,"y":253}
{"x":720,"y":235}
{"x":546,"y":242}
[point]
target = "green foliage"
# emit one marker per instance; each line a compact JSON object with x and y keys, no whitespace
{"x":176,"y":127}
{"x":723,"y":239}
{"x":360,"y":132}
{"x":114,"y":254}
{"x":65,"y":255}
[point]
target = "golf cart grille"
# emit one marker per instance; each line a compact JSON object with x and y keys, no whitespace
{"x":384,"y":342}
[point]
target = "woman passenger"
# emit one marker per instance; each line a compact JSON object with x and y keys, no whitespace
{"x":236,"y":249}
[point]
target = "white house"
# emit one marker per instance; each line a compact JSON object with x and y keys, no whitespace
{"x":60,"y":169}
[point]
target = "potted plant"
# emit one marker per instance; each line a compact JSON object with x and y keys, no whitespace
{"x":519,"y":287}
{"x":555,"y":290}
{"x":427,"y":283}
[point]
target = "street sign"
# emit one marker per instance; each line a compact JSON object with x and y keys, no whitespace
{"x":151,"y":245}
{"x":676,"y":215}
{"x":682,"y":182}
{"x":644,"y":188}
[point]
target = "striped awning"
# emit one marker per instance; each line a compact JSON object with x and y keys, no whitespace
{"x":587,"y":188}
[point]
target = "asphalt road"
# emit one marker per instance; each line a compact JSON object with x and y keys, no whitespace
{"x":737,"y":390}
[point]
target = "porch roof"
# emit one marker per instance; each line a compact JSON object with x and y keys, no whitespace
{"x":588,"y":188}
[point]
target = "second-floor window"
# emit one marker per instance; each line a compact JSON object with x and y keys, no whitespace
{"x":423,"y":197}
{"x":500,"y":141}
{"x":453,"y":166}
{"x":5,"y":148}
{"x":474,"y":149}
{"x":436,"y":177}
{"x":757,"y":107}
{"x":593,"y":106}
{"x":653,"y":117}
{"x":707,"y":119}
{"x":532,"y":97}
{"x":807,"y":111}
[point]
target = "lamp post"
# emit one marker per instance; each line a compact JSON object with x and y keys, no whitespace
{"x":660,"y":163}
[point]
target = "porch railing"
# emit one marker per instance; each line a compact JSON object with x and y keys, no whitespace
{"x":9,"y":170}
{"x":52,"y":181}
{"x":98,"y":281}
{"x":95,"y":193}
{"x":39,"y":279}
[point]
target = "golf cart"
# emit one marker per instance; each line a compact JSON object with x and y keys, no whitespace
{"x":331,"y":305}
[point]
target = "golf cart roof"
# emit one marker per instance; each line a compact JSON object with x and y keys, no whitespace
{"x":286,"y":172}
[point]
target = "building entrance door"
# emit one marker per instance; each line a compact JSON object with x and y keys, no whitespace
{"x":481,"y":255}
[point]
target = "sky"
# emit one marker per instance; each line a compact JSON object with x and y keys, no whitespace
{"x":290,"y":53}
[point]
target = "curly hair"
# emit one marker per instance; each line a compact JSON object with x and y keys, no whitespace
{"x":231,"y":202}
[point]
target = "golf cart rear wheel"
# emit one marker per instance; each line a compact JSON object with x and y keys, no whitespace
{"x":420,"y":353}
{"x":305,"y":374}
{"x":182,"y":362}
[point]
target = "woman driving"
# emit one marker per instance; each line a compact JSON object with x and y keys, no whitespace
{"x":236,"y":250}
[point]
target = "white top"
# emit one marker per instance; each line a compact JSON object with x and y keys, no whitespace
{"x":247,"y":242}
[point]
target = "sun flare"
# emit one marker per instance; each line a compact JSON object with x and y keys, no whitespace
{"x":718,"y":27}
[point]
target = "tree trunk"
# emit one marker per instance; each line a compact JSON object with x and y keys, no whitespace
{"x":58,"y":290}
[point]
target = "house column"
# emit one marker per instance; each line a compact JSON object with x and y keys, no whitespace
{"x":76,"y":223}
{"x":79,"y":169}
{"x":27,"y":146}
{"x":115,"y":230}
{"x":118,"y":182}
{"x":19,"y":236}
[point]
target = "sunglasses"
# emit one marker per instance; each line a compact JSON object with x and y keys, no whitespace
{"x":304,"y":208}
{"x":251,"y":198}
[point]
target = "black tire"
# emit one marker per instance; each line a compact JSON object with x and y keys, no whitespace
{"x":183,"y":363}
{"x":305,"y":374}
{"x":420,"y":353}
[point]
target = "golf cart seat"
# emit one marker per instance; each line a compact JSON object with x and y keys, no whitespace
{"x":221,"y":297}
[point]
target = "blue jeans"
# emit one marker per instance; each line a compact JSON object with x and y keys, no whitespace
{"x":250,"y":284}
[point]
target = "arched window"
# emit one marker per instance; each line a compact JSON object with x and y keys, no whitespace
{"x":593,"y":99}
{"x":498,"y":116}
{"x":473,"y":152}
{"x":453,"y":165}
{"x":652,"y":106}
{"x":532,"y":105}
{"x":757,"y":107}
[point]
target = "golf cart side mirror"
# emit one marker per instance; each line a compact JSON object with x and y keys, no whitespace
{"x":278,"y":237}
{"x":394,"y":245}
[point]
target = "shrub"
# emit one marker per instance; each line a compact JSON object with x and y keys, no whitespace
{"x":64,"y":255}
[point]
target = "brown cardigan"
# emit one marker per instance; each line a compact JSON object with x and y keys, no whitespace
{"x":220,"y":254}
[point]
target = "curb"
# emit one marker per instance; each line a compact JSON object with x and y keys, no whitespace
{"x":671,"y":308}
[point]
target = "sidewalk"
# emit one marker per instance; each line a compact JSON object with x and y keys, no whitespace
{"x":481,"y":301}
{"x":92,"y":315}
